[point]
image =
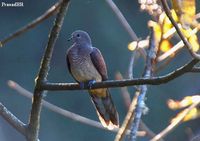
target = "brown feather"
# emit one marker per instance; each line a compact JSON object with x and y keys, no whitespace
{"x":99,"y":63}
{"x":105,"y":109}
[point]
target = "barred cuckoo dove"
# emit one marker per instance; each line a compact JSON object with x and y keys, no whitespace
{"x":86,"y":65}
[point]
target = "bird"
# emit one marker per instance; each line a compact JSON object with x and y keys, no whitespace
{"x":86,"y":65}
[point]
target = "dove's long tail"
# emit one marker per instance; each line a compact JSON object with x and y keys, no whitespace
{"x":105,"y":108}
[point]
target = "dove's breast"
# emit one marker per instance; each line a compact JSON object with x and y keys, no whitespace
{"x":82,"y":67}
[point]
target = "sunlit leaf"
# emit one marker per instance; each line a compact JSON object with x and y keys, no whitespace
{"x":165,"y":45}
{"x":165,"y":22}
{"x":163,"y":26}
{"x":140,"y":44}
{"x":157,"y":30}
{"x":186,"y":101}
{"x":186,"y":10}
{"x":132,"y":46}
{"x":193,"y":114}
{"x":192,"y":38}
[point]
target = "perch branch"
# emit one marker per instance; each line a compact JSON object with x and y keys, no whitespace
{"x":34,"y":121}
{"x":174,"y":124}
{"x":151,"y":54}
{"x":195,"y":69}
{"x":12,"y":120}
{"x":187,"y":44}
{"x":32,"y":24}
{"x":126,"y":82}
{"x":13,"y":85}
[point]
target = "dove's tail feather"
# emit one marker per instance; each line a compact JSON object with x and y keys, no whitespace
{"x":105,"y":109}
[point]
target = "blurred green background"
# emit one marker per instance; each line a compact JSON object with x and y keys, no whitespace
{"x":20,"y":60}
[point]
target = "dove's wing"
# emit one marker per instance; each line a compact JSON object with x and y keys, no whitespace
{"x":99,"y":63}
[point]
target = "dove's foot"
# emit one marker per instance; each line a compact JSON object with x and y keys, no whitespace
{"x":90,"y":83}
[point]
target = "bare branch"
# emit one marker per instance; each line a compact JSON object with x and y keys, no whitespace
{"x":122,"y":20}
{"x":12,"y":120}
{"x":131,"y":64}
{"x":128,"y":119}
{"x":173,"y":50}
{"x":148,"y":131}
{"x":32,"y":24}
{"x":174,"y":124}
{"x":126,"y":82}
{"x":34,"y":121}
{"x":195,"y":69}
{"x":151,"y":55}
{"x":13,"y":85}
{"x":176,"y":47}
{"x":127,"y":101}
{"x":124,"y":92}
{"x":125,"y":24}
{"x":197,"y":16}
{"x":187,"y":44}
{"x":163,"y":65}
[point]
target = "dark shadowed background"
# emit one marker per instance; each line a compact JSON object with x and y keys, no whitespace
{"x":20,"y":60}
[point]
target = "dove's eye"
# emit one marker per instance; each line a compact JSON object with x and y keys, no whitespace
{"x":78,"y":35}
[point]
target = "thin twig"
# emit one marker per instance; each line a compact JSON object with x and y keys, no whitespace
{"x":128,"y":119}
{"x":163,"y":65}
{"x":151,"y":55}
{"x":70,"y":115}
{"x":125,"y":24}
{"x":187,"y":44}
{"x":12,"y":120}
{"x":130,"y":67}
{"x":122,"y":20}
{"x":176,"y":47}
{"x":126,"y":82}
{"x":51,"y":11}
{"x":173,"y":50}
{"x":127,"y":101}
{"x":148,"y":131}
{"x":34,"y":121}
{"x":124,"y":91}
{"x":197,"y":16}
{"x":174,"y":124}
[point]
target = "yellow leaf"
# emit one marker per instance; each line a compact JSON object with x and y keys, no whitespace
{"x":186,"y":32}
{"x":192,"y":38}
{"x":165,"y":45}
{"x":186,"y":101}
{"x":165,"y":23}
{"x":132,"y":46}
{"x":186,"y":10}
{"x":194,"y":42}
{"x":193,"y":114}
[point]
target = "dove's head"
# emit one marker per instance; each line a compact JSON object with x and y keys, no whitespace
{"x":80,"y":37}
